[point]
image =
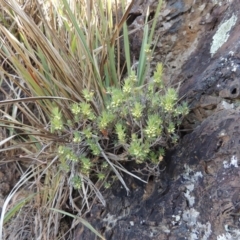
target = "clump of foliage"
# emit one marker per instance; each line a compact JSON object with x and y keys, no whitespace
{"x":138,"y":122}
{"x":72,"y":115}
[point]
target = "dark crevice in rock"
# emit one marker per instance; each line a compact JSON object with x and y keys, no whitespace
{"x":132,"y":17}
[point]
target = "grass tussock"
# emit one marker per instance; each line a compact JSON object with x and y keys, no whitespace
{"x":74,"y":111}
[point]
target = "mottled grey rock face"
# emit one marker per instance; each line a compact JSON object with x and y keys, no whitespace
{"x":197,"y":196}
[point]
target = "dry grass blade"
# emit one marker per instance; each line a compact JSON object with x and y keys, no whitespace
{"x":120,"y":24}
{"x":30,"y":99}
{"x":114,"y":169}
{"x":6,"y":140}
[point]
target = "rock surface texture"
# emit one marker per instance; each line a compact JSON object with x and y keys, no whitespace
{"x":197,"y":196}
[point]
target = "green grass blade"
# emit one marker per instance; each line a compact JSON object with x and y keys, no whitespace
{"x":127,"y":48}
{"x":114,"y":77}
{"x":15,"y":209}
{"x":83,"y":221}
{"x":78,"y":30}
{"x":142,"y":59}
{"x":155,"y":21}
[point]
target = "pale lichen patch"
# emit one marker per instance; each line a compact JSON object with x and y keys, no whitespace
{"x":234,"y":162}
{"x":222,"y":34}
{"x":233,"y":235}
{"x":191,"y":199}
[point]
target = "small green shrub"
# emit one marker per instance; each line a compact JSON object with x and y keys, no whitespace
{"x":138,"y":123}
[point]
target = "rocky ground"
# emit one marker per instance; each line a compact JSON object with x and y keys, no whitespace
{"x":197,"y":196}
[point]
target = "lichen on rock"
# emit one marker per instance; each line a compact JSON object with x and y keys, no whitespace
{"x":222,"y":34}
